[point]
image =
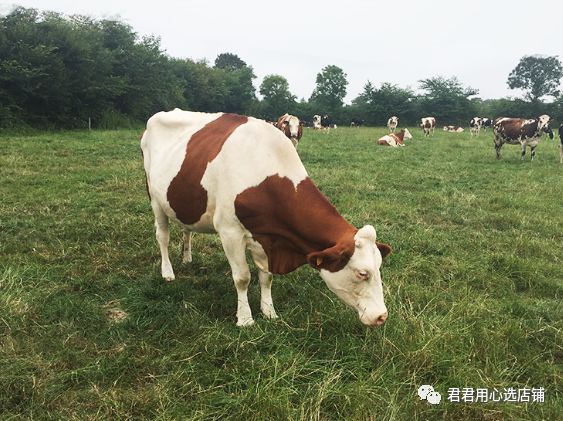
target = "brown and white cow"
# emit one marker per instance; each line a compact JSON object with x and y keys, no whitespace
{"x":427,"y":124}
{"x":520,"y":131}
{"x":395,"y":139}
{"x":291,"y":127}
{"x":239,"y":177}
{"x":453,"y":129}
{"x":392,"y":123}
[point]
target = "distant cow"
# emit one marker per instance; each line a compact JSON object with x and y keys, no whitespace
{"x":525,"y":132}
{"x":239,"y":177}
{"x":486,"y":123}
{"x":453,"y":129}
{"x":317,"y":122}
{"x":392,"y":123}
{"x":357,"y":122}
{"x":291,"y":127}
{"x":395,"y":139}
{"x":475,"y":126}
{"x":327,"y":122}
{"x":427,"y":124}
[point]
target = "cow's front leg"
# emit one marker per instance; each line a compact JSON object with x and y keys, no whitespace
{"x":234,"y":246}
{"x":265,"y":278}
{"x":187,"y":247}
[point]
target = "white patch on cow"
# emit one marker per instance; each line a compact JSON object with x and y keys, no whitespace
{"x":359,"y":284}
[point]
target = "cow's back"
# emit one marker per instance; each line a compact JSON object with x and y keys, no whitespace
{"x":198,"y":162}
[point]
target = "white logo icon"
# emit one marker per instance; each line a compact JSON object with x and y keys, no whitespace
{"x":433,"y":398}
{"x":426,"y":392}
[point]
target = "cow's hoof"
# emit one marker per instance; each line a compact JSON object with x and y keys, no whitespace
{"x":245,"y":323}
{"x":168,"y":278}
{"x":187,"y":259}
{"x":269,"y":313}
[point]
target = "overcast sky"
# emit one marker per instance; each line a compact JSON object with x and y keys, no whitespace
{"x":399,"y":41}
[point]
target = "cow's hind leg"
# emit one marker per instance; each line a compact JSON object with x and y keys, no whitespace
{"x":234,"y":245}
{"x":187,"y":247}
{"x":498,"y":145}
{"x":163,"y":238}
{"x":265,"y":278}
{"x":524,"y":152}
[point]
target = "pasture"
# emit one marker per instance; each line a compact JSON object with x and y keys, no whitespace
{"x":88,"y":330}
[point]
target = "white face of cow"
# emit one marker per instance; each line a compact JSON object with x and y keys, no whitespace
{"x":359,"y":283}
{"x":543,"y":120}
{"x":293,"y":127}
{"x":317,"y":119}
{"x":408,"y":134}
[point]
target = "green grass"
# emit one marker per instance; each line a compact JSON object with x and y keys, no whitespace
{"x":88,"y":330}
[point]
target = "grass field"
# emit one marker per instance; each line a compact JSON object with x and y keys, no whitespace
{"x":88,"y":330}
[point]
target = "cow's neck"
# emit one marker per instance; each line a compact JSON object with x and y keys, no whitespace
{"x":290,"y":222}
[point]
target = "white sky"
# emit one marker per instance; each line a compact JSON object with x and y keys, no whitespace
{"x":403,"y":41}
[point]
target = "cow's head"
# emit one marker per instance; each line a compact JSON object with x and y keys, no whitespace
{"x":408,"y":134}
{"x":543,"y":121}
{"x":358,"y":283}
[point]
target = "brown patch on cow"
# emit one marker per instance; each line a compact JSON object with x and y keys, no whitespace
{"x":516,"y":128}
{"x":295,"y":225}
{"x":185,"y":193}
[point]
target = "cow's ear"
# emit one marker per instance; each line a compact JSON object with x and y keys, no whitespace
{"x":332,"y":259}
{"x":385,"y":249}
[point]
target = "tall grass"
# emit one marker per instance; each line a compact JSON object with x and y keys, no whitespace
{"x":88,"y":330}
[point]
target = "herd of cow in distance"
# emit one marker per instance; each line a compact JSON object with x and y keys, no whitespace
{"x":241,"y":178}
{"x":514,"y":131}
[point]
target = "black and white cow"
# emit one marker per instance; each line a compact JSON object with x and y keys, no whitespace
{"x":357,"y":122}
{"x":486,"y":123}
{"x":475,"y":126}
{"x":520,"y":131}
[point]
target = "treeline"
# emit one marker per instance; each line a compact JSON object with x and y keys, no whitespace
{"x":59,"y":71}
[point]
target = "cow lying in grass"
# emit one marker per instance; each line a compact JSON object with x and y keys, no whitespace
{"x":395,"y":139}
{"x":240,"y":177}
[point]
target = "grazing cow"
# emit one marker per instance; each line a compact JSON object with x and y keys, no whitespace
{"x":486,"y":123}
{"x":561,"y":144}
{"x":427,"y":124}
{"x":392,"y":123}
{"x":239,"y":177}
{"x":525,"y":132}
{"x":357,"y":122}
{"x":291,"y":127}
{"x":395,"y":139}
{"x":453,"y":129}
{"x":475,"y":126}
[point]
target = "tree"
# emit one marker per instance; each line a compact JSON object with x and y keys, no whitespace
{"x":447,"y":100}
{"x":538,"y":76}
{"x":229,"y":61}
{"x":330,"y":90}
{"x":277,"y":98}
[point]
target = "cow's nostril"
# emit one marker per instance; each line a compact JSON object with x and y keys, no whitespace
{"x":381,"y":319}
